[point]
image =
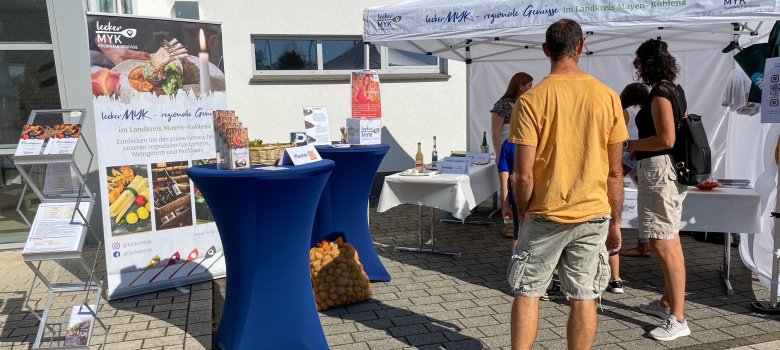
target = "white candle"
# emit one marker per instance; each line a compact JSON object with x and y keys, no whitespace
{"x":205,"y":79}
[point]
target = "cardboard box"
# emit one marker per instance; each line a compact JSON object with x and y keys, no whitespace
{"x":364,"y":131}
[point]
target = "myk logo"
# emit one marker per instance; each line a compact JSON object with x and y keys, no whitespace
{"x":111,"y":34}
{"x":733,"y":2}
{"x":453,"y":16}
{"x":386,"y":20}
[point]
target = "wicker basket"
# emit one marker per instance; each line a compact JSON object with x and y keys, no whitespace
{"x":269,"y":154}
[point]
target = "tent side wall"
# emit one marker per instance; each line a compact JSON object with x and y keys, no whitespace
{"x":703,"y":75}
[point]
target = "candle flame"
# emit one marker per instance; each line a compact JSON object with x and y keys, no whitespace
{"x":202,"y":40}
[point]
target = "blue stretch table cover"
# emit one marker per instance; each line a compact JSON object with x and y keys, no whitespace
{"x":343,"y":207}
{"x":265,"y":220}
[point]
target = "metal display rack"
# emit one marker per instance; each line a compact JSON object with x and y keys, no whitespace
{"x":58,"y":180}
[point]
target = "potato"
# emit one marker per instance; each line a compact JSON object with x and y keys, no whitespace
{"x":337,"y":275}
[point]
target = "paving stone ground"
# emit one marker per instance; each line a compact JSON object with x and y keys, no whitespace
{"x":432,"y":302}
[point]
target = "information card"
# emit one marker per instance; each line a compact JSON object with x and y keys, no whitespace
{"x":317,"y":127}
{"x":56,"y":229}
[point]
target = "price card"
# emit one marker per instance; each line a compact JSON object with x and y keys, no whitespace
{"x":300,"y":155}
{"x":454,"y":165}
{"x":479,"y":157}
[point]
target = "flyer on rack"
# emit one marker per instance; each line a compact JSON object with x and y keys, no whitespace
{"x":56,"y":228}
{"x":79,"y":326}
{"x":153,"y":116}
{"x":366,"y":101}
{"x":63,"y":139}
{"x":31,"y":140}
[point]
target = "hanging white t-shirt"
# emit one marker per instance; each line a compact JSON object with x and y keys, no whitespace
{"x":735,"y":95}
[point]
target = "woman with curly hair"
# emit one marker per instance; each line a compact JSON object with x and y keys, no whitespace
{"x":659,"y":196}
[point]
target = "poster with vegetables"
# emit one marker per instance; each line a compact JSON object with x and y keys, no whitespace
{"x":155,"y":85}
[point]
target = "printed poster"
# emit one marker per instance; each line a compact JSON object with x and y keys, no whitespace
{"x":155,"y":83}
{"x":366,"y":101}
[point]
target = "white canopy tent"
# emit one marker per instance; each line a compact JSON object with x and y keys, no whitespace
{"x":499,"y":38}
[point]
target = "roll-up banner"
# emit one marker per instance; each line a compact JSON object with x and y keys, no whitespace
{"x":155,"y":83}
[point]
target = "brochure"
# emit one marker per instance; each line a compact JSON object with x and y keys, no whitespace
{"x":79,"y":326}
{"x":31,"y":140}
{"x":63,"y":140}
{"x":55,"y":229}
{"x":317,"y":127}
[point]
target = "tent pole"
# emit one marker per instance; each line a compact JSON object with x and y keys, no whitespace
{"x":468,"y":105}
{"x":366,"y":59}
{"x":771,"y":306}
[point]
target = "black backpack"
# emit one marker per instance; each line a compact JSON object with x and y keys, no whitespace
{"x":691,"y":152}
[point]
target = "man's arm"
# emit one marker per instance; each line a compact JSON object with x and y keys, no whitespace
{"x":615,"y":194}
{"x":523,"y":179}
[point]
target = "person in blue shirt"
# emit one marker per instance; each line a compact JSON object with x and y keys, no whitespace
{"x":506,"y":160}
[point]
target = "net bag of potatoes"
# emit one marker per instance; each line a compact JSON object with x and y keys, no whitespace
{"x":337,"y":275}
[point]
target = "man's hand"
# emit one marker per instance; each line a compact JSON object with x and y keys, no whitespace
{"x":614,"y":237}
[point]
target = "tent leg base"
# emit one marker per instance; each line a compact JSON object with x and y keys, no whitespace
{"x":764,"y":307}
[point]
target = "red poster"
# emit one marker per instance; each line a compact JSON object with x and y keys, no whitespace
{"x":366,"y":103}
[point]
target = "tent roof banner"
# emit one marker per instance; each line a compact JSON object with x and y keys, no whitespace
{"x":493,"y":30}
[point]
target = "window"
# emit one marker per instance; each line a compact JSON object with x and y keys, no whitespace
{"x":28,"y":80}
{"x":283,"y":57}
{"x":185,"y":9}
{"x":111,"y":6}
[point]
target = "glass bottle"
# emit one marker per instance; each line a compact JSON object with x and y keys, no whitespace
{"x":418,"y":158}
{"x":484,"y":147}
{"x":434,"y":156}
{"x":174,"y":185}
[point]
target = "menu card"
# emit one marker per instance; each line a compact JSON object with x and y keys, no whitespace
{"x":31,"y":140}
{"x":63,"y":139}
{"x":317,"y":126}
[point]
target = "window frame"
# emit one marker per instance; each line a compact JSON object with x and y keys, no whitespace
{"x":434,"y":72}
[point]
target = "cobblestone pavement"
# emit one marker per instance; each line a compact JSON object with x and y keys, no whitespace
{"x":432,"y":302}
{"x":437,"y":302}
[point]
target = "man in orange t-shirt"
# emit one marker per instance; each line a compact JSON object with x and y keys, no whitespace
{"x":568,"y":187}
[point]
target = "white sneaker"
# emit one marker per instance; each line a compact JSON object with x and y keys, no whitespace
{"x":655,"y":308}
{"x":670,"y":330}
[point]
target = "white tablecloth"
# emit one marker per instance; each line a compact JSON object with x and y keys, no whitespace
{"x":722,"y":209}
{"x":457,"y":194}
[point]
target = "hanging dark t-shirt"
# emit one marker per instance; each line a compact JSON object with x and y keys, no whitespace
{"x":644,"y":119}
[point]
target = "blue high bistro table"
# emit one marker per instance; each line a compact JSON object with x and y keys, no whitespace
{"x":343,"y":207}
{"x":265,"y":221}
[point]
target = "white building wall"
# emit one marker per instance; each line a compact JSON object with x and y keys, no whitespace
{"x":412,"y":111}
